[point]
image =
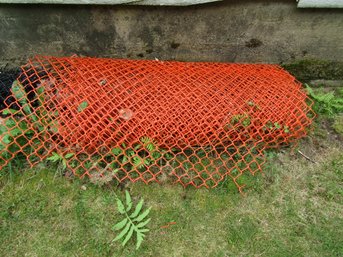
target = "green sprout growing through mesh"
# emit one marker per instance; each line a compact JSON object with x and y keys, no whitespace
{"x":60,"y":159}
{"x":147,"y":146}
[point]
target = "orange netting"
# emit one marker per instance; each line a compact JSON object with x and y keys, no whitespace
{"x":191,"y":123}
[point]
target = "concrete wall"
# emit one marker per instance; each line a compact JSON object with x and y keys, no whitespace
{"x":320,"y":3}
{"x":272,"y":31}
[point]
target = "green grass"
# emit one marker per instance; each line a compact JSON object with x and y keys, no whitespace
{"x":295,"y":209}
{"x":338,"y":125}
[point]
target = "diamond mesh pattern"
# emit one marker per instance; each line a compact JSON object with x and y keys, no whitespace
{"x":188,"y":123}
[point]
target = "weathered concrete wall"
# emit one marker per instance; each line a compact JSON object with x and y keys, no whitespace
{"x":273,"y":31}
{"x":320,"y":3}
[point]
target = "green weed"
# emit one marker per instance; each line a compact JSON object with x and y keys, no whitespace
{"x":326,"y":103}
{"x":132,"y":223}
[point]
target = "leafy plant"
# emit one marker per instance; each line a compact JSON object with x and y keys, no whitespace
{"x":134,"y":223}
{"x":326,"y":103}
{"x":57,"y":158}
{"x":273,"y":126}
{"x":244,"y":119}
{"x":27,"y":123}
{"x":140,"y":155}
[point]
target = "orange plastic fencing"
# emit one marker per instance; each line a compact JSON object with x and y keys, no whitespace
{"x":176,"y":122}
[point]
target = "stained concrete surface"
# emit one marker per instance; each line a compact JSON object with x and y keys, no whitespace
{"x":229,"y":31}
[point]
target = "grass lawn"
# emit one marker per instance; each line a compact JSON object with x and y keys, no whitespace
{"x":294,"y":209}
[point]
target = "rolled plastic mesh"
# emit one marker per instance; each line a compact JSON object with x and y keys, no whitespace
{"x":178,"y":122}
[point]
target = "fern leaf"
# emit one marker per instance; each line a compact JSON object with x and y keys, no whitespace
{"x":128,"y":201}
{"x":54,"y":157}
{"x":137,"y":209}
{"x":150,"y":147}
{"x":128,"y":236}
{"x":144,"y":230}
{"x":338,"y":106}
{"x":148,"y":143}
{"x":82,"y":106}
{"x":144,"y":223}
{"x":123,"y":232}
{"x":6,"y":139}
{"x":64,"y":164}
{"x":156,"y":155}
{"x":138,"y":162}
{"x":116,"y":151}
{"x":19,"y":92}
{"x":147,"y":161}
{"x":309,"y":90}
{"x":40,"y":90}
{"x":69,"y":155}
{"x":140,"y":238}
{"x":145,"y":140}
{"x":133,"y":223}
{"x":16,"y":132}
{"x":130,"y":152}
{"x":143,"y":215}
{"x":124,"y":160}
{"x":120,"y":206}
{"x":9,"y":111}
{"x":137,"y":147}
{"x":120,"y":224}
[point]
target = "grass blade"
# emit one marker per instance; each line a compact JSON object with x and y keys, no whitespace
{"x":69,"y":155}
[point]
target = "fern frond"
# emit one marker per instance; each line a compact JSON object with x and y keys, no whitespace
{"x":149,"y":143}
{"x":131,"y":223}
{"x":55,"y":157}
{"x":145,"y":140}
{"x":138,"y":162}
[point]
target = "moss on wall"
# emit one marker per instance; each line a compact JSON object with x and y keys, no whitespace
{"x":312,"y":69}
